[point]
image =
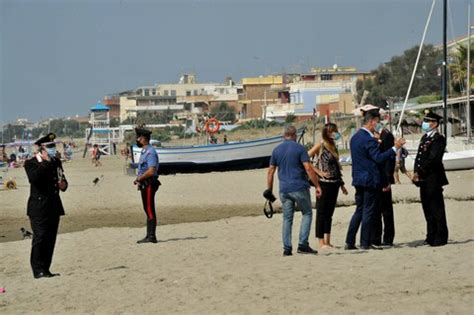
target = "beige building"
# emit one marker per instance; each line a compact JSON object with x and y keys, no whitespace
{"x":185,"y":98}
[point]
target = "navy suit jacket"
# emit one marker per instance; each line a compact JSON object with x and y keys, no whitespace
{"x":367,"y":160}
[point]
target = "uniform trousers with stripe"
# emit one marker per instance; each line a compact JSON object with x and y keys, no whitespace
{"x":148,"y":200}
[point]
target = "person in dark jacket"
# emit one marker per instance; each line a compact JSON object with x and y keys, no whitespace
{"x":46,"y":176}
{"x":384,"y":211}
{"x":430,"y":176}
{"x":366,"y":178}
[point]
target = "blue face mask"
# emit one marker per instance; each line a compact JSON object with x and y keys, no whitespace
{"x":379,"y":127}
{"x":425,"y":126}
{"x":51,"y":152}
{"x":336,"y":136}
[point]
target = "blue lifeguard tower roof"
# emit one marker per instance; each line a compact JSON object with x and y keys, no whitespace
{"x":99,"y":107}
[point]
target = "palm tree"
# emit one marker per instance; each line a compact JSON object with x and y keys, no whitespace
{"x":458,"y":69}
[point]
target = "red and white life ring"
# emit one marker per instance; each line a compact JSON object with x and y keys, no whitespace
{"x":212,"y":125}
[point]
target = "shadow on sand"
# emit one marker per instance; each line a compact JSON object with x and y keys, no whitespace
{"x":420,"y":243}
{"x":189,"y":238}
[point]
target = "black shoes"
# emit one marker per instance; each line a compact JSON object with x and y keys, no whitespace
{"x":371,"y":247}
{"x":350,"y":247}
{"x":301,"y":250}
{"x":306,"y":250}
{"x":148,"y":239}
{"x":45,"y":274}
{"x":150,"y":233}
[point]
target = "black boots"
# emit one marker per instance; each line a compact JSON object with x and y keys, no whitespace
{"x":150,"y":233}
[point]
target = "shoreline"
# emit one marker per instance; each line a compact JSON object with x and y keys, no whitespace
{"x":109,"y":218}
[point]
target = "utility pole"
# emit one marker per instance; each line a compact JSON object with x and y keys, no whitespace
{"x":445,"y":68}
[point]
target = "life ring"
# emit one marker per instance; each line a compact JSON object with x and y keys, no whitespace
{"x":212,"y":125}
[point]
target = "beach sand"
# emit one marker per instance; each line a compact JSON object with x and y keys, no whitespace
{"x":233,"y":263}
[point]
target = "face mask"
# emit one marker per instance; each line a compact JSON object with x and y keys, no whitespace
{"x":336,"y":136}
{"x":425,"y":126}
{"x":51,"y":152}
{"x":139,"y":144}
{"x":379,"y":127}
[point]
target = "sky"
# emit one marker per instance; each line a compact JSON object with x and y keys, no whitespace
{"x":60,"y":57}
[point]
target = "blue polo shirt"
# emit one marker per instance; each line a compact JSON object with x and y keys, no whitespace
{"x":289,"y":158}
{"x":148,"y":158}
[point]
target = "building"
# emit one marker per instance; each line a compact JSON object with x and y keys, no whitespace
{"x":259,"y":92}
{"x":453,"y":45}
{"x":322,"y":91}
{"x":113,"y":102}
{"x":185,"y":98}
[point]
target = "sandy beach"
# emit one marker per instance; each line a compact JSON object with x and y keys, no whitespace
{"x":217,"y":253}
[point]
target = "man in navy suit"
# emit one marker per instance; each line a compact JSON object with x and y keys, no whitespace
{"x":367,"y":178}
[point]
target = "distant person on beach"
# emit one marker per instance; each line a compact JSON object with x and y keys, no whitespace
{"x":46,"y":176}
{"x":126,"y":152}
{"x":96,"y":153}
{"x":383,"y":216}
{"x":212,"y":139}
{"x":430,"y":176}
{"x":147,"y":181}
{"x":330,"y":171}
{"x":294,"y":167}
{"x":366,"y":177}
{"x":3,"y":154}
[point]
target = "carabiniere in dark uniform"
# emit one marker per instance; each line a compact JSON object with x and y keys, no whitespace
{"x":46,"y":176}
{"x":430,"y":177}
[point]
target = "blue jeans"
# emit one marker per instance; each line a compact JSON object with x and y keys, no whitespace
{"x":302,"y":199}
{"x":366,"y":202}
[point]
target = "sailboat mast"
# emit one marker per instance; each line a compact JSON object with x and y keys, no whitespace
{"x":445,"y":69}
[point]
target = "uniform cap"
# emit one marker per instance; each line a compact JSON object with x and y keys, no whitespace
{"x":369,"y":108}
{"x":142,"y":132}
{"x":429,"y":115}
{"x":46,"y":139}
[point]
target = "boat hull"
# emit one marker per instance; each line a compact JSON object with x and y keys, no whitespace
{"x":452,"y":161}
{"x":234,"y":156}
{"x":233,"y":165}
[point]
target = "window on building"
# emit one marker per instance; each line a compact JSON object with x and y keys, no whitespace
{"x":166,"y":93}
{"x":147,"y":92}
{"x":326,"y":77}
{"x":195,"y":92}
{"x":173,"y":92}
{"x":153,"y":91}
{"x":188,"y":93}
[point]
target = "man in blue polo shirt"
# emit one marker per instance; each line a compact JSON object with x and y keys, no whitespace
{"x":147,"y":181}
{"x":294,"y":167}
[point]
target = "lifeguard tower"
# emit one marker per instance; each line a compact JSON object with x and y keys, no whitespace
{"x":101,"y":132}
